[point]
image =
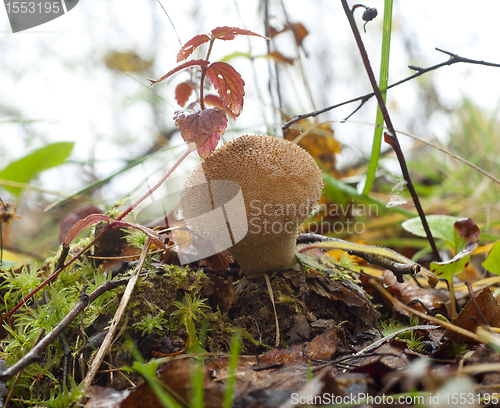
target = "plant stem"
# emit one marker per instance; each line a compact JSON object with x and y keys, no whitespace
{"x":203,"y":72}
{"x":390,"y":137}
{"x":383,"y":80}
{"x":155,"y":187}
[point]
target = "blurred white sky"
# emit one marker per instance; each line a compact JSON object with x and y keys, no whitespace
{"x":55,"y":74}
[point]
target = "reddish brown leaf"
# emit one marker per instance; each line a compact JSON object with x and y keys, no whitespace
{"x":228,"y":33}
{"x":72,"y":218}
{"x":280,"y":57}
{"x":191,"y":45}
{"x":209,"y":146}
{"x":214,"y":100}
{"x":299,"y":31}
{"x":229,"y":85}
{"x":183,"y":92}
{"x":200,"y":62}
{"x":409,"y":293}
{"x":199,"y":126}
{"x":84,"y":224}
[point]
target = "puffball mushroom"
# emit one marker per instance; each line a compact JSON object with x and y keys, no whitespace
{"x":280,"y":183}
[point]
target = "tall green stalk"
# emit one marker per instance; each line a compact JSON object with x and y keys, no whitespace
{"x":384,"y":76}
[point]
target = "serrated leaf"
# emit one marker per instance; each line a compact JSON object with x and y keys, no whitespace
{"x":209,"y":146}
{"x":200,"y":62}
{"x":22,"y":170}
{"x":214,"y":100}
{"x":229,"y":33}
{"x":492,"y":262}
{"x":229,"y":85}
{"x":442,"y":226}
{"x":201,"y":126}
{"x":182,"y":93}
{"x":188,"y":48}
{"x":82,"y":225}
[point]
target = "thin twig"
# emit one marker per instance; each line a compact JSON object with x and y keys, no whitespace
{"x":116,"y":319}
{"x":390,"y":137}
{"x":454,"y":58}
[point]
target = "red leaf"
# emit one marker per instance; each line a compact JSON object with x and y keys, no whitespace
{"x":228,"y":33}
{"x":200,"y":62}
{"x":84,"y":224}
{"x":229,"y":85}
{"x":182,"y":93}
{"x":200,"y":126}
{"x":209,"y":146}
{"x":191,"y":45}
{"x":214,"y":100}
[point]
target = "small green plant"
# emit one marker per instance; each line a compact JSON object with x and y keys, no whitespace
{"x":151,"y":324}
{"x":191,"y":310}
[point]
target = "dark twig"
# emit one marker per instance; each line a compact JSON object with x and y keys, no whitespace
{"x":390,"y":136}
{"x":35,"y":353}
{"x":454,"y":58}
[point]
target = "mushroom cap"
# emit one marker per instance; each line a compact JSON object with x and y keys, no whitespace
{"x":280,"y":184}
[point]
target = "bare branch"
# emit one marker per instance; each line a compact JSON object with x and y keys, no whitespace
{"x":390,"y":136}
{"x":454,"y":58}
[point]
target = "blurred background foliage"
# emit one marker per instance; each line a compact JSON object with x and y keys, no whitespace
{"x":81,"y":79}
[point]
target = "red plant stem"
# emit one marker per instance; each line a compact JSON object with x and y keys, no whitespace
{"x":203,"y":73}
{"x":390,"y":137}
{"x":155,"y":187}
{"x":108,"y":228}
{"x":57,"y":272}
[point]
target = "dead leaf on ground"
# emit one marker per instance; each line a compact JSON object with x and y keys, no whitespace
{"x":469,"y":318}
{"x":409,"y":293}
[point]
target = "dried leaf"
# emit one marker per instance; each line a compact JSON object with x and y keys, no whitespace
{"x":278,"y":56}
{"x":72,"y":218}
{"x":299,"y":32}
{"x":214,"y":100}
{"x":229,"y":33}
{"x":318,"y":140}
{"x":200,"y":62}
{"x":126,"y":62}
{"x":84,"y":224}
{"x":201,"y":126}
{"x":188,"y":48}
{"x":408,"y":292}
{"x":470,"y":318}
{"x":229,"y":85}
{"x":182,"y":93}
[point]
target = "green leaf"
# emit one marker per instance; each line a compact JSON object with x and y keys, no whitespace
{"x":23,"y":169}
{"x":447,"y":269}
{"x":442,"y":226}
{"x":492,"y":262}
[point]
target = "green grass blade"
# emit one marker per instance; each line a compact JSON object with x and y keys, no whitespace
{"x":233,"y":364}
{"x":384,"y":76}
